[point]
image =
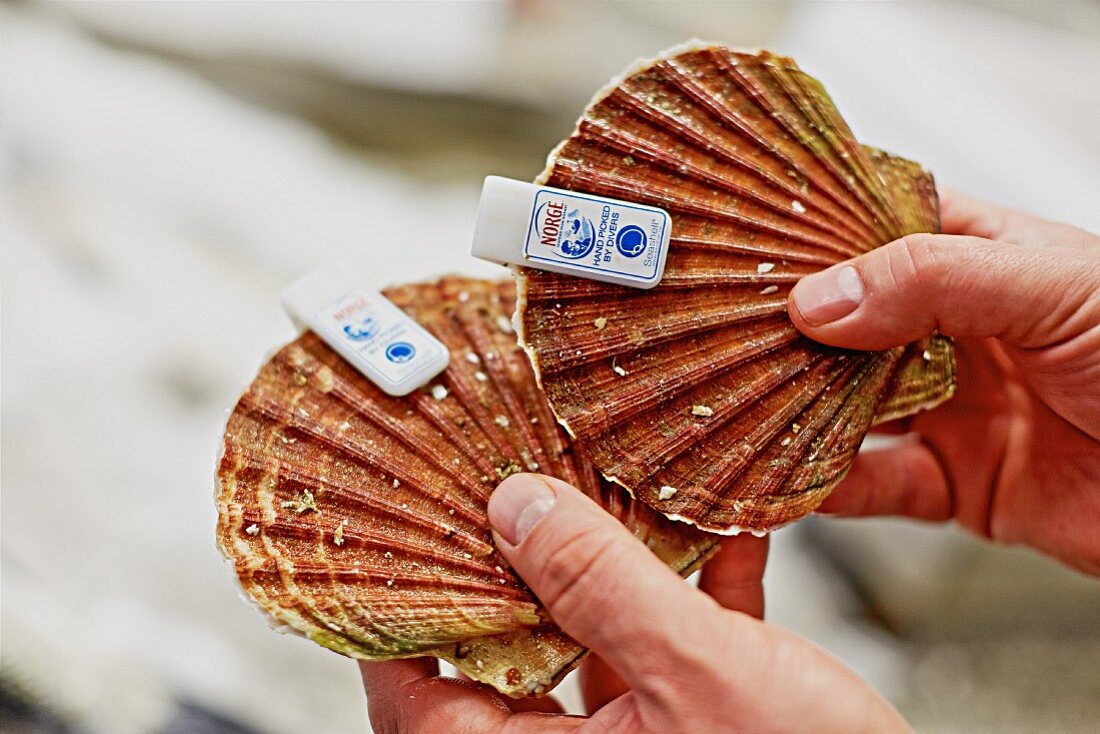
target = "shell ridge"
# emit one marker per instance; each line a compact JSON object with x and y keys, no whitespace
{"x":723,"y":414}
{"x":777,"y":482}
{"x":820,"y":114}
{"x":765,"y":183}
{"x":412,"y":437}
{"x":618,"y":187}
{"x":447,"y":425}
{"x":844,"y":218}
{"x":685,"y":243}
{"x":637,"y":148}
{"x":762,"y":98}
{"x":728,"y":469}
{"x":516,"y":416}
{"x":358,"y":520}
{"x":646,"y":338}
{"x":465,"y":383}
{"x":923,"y":391}
{"x":630,"y":340}
{"x":369,"y":456}
{"x":775,"y":99}
{"x":677,"y":378}
{"x":304,"y":476}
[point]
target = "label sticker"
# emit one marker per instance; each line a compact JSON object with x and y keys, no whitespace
{"x":381,"y":334}
{"x":589,"y":233}
{"x":571,"y":232}
{"x":366,"y":329}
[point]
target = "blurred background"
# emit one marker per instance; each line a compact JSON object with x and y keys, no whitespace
{"x":166,"y":168}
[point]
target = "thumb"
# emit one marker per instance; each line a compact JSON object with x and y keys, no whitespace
{"x":598,"y":582}
{"x":957,"y":286}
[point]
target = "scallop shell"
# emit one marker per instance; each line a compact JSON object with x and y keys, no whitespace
{"x":358,"y":520}
{"x":699,"y":396}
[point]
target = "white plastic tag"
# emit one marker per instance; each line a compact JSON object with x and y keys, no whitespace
{"x":570,"y":232}
{"x":366,"y":329}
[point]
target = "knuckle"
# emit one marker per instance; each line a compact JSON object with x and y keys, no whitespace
{"x":915,"y":261}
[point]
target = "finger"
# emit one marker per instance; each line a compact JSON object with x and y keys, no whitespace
{"x":958,"y":286}
{"x":906,"y":479}
{"x":962,"y":214}
{"x":734,"y":577}
{"x":409,"y":697}
{"x":534,"y":704}
{"x":400,"y":692}
{"x":597,"y":581}
{"x":381,"y":679}
{"x":542,"y":704}
{"x":600,"y":684}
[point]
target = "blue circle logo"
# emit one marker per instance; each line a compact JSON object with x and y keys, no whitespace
{"x":360,"y":330}
{"x":400,"y":352}
{"x":631,"y":241}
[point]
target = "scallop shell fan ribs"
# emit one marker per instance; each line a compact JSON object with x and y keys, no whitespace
{"x":358,"y":520}
{"x":699,"y":396}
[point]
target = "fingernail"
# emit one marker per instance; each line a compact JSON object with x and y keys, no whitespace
{"x":828,"y":295}
{"x":517,"y":505}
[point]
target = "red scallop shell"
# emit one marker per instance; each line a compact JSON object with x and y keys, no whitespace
{"x":358,"y":519}
{"x":699,"y":396}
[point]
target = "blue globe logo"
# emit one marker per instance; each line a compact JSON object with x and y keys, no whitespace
{"x":631,"y":241}
{"x":400,"y":352}
{"x":360,"y":330}
{"x":578,"y":236}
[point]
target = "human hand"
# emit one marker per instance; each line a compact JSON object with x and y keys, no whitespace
{"x":1015,"y":455}
{"x":685,"y":661}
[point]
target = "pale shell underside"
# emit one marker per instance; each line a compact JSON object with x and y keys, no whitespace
{"x":357,"y":519}
{"x":699,"y":396}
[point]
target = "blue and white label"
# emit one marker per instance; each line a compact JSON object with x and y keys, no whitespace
{"x":381,"y":334}
{"x":570,"y":232}
{"x":365,"y":328}
{"x":597,"y":235}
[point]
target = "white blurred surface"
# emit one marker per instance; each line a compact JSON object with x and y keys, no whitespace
{"x":991,"y":103}
{"x":150,"y":216}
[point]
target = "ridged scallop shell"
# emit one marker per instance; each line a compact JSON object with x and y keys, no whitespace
{"x":699,"y":396}
{"x":358,"y":520}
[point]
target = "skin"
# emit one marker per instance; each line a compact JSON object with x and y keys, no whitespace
{"x":1014,"y":457}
